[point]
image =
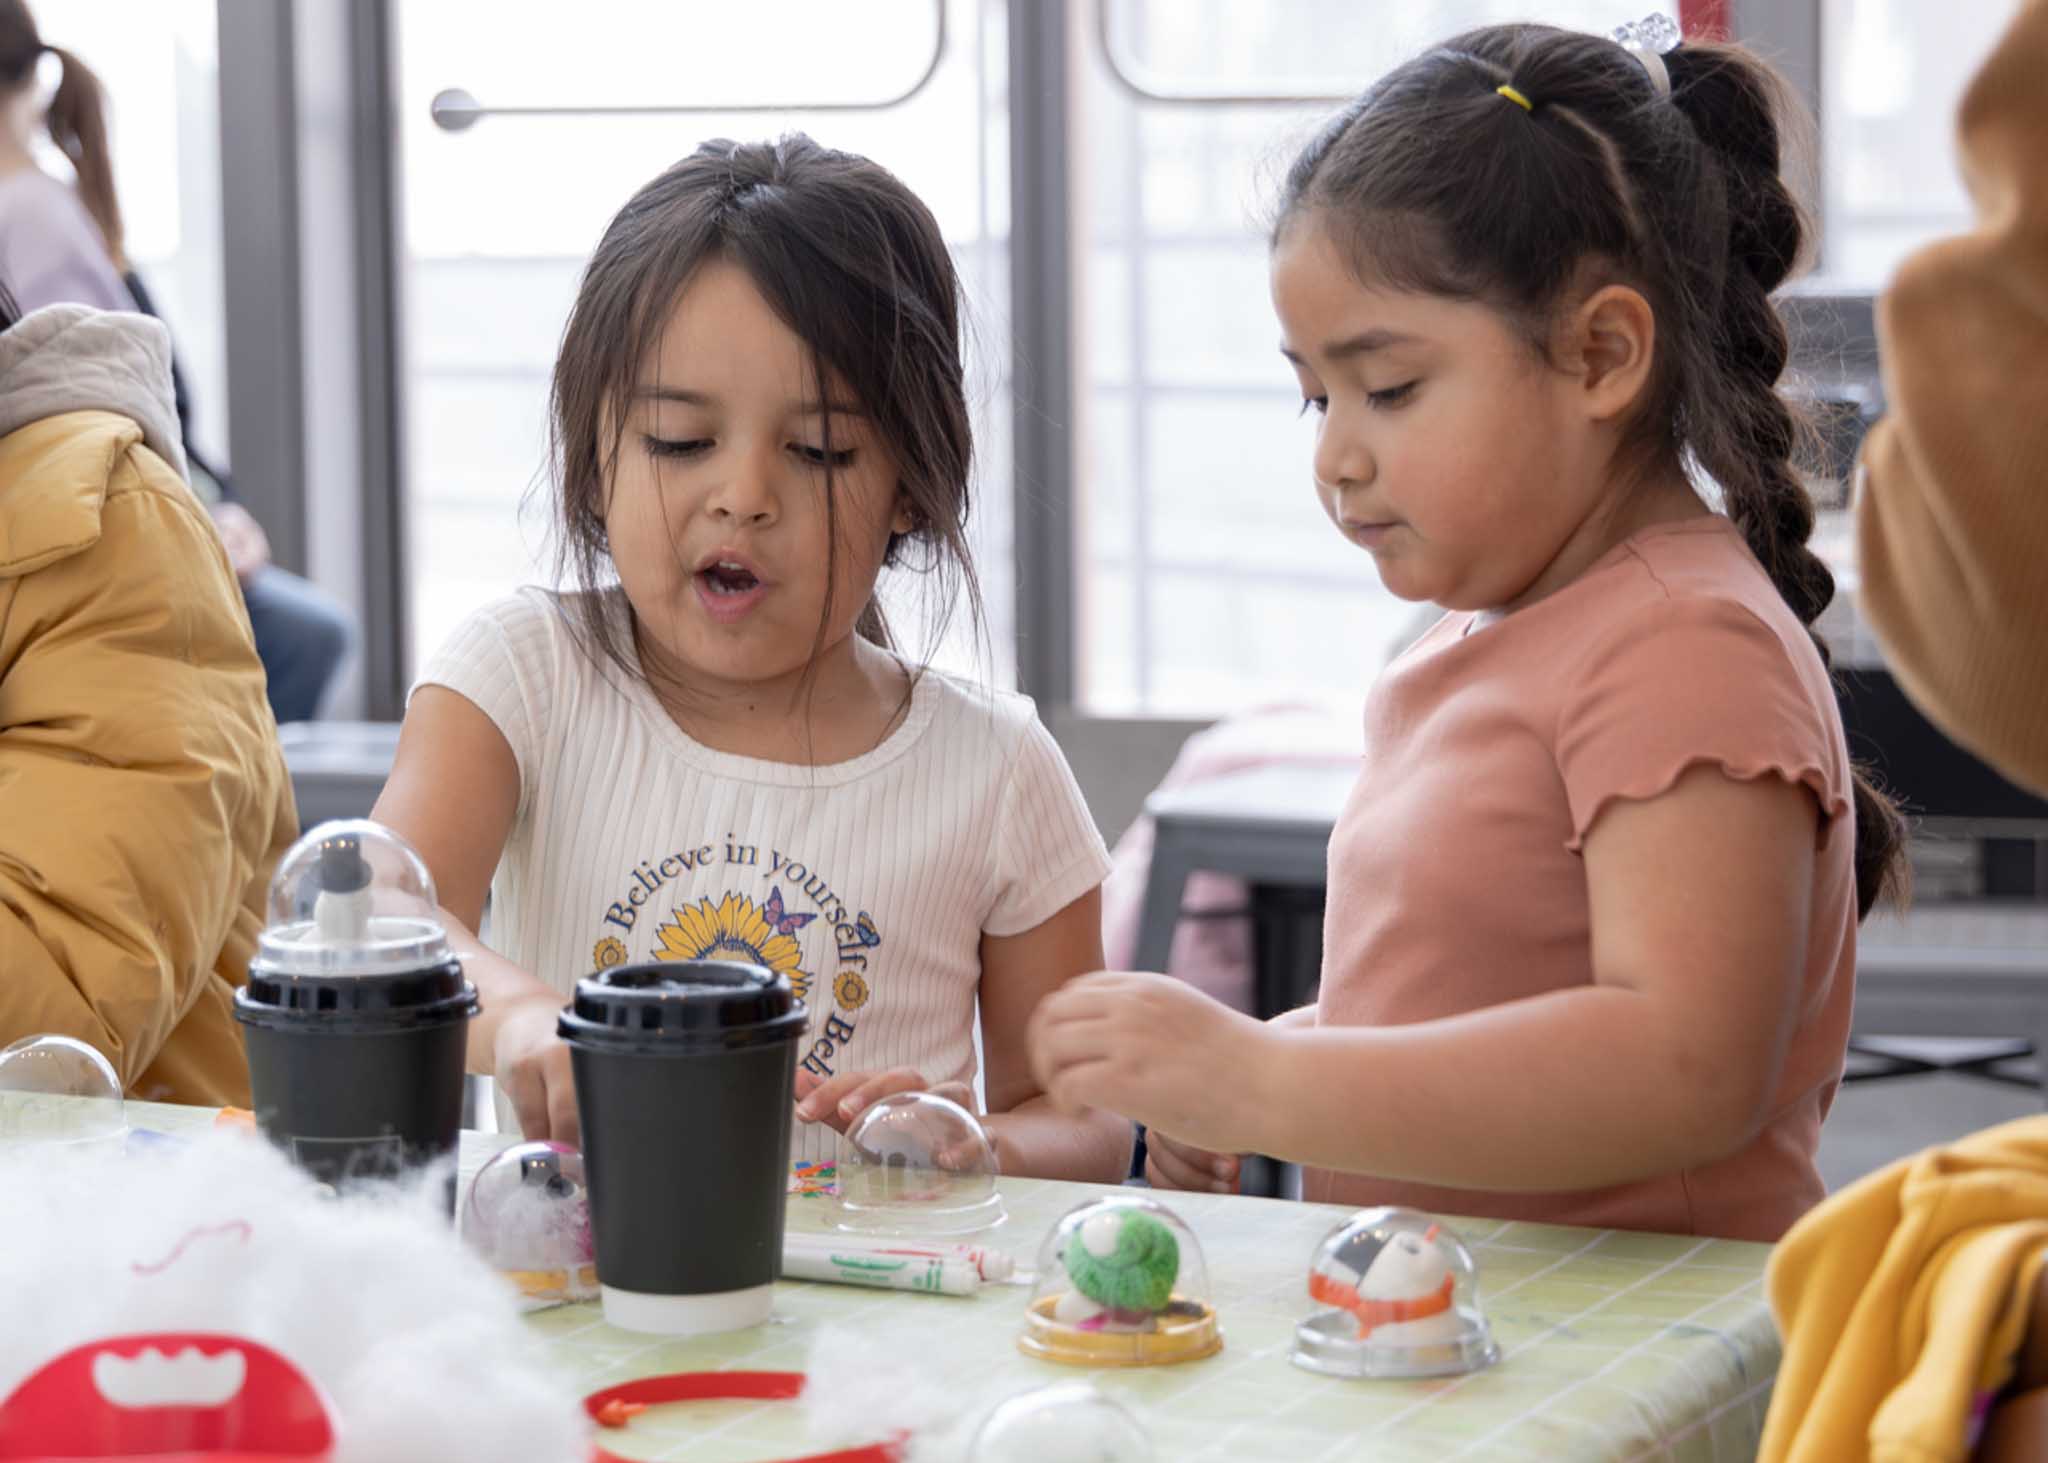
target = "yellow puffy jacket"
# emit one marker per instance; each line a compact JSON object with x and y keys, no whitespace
{"x":143,"y":796}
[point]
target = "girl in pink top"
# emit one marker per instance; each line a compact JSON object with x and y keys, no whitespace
{"x":1590,"y":948}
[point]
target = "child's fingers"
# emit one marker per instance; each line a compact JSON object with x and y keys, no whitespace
{"x":879,"y":1086}
{"x":1084,"y":998}
{"x":962,"y":1156}
{"x":822,"y":1103}
{"x":1063,"y":1045}
{"x":1049,"y":1035}
{"x":1085,"y":1083}
{"x":529,"y":1099}
{"x":1173,"y":1165}
{"x":954,"y":1092}
{"x":839,"y":1100}
{"x":565,"y":1123}
{"x":1037,"y":1054}
{"x":1215,"y":1165}
{"x":1165,"y":1172}
{"x":807,"y":1082}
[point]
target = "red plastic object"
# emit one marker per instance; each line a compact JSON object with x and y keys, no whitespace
{"x":168,"y":1397}
{"x":614,"y":1406}
{"x":1703,"y":20}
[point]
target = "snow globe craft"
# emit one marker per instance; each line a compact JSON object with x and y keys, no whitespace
{"x":918,"y":1164}
{"x":1397,"y":1295}
{"x":1121,"y":1282}
{"x":1070,"y":1422}
{"x":57,"y":1090}
{"x":528,"y":1213}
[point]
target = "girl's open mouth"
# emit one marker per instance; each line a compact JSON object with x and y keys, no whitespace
{"x":728,"y":589}
{"x":728,"y":578}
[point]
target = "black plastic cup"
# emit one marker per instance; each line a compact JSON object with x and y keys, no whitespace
{"x":684,"y":1079}
{"x":359,"y":1077}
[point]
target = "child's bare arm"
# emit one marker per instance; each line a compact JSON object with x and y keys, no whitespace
{"x":1699,"y":902}
{"x":1017,"y":973}
{"x":452,"y":794}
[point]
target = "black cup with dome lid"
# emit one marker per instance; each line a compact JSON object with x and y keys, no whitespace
{"x":356,"y":1010}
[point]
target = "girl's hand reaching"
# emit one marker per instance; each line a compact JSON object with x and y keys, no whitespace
{"x":838,"y":1101}
{"x":532,"y":1065}
{"x":1158,"y":1051}
{"x":1172,"y":1164}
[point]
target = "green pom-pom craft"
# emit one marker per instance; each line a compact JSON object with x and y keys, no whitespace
{"x":1126,"y":1262}
{"x":1122,"y":1283}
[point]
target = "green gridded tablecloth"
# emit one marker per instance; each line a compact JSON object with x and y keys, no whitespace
{"x":1614,"y":1346}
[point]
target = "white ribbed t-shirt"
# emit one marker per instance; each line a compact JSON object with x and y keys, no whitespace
{"x":868,"y":883}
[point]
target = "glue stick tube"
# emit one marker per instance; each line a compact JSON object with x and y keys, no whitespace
{"x":932,"y":1274}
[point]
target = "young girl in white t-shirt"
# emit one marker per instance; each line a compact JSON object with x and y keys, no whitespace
{"x":709,"y":747}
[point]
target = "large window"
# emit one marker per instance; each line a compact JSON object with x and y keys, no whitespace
{"x":1209,"y":578}
{"x":1893,"y":73}
{"x":1205,"y":575}
{"x":160,"y":65}
{"x":499,"y":218}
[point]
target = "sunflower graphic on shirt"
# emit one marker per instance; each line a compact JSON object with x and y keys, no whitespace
{"x":735,"y":928}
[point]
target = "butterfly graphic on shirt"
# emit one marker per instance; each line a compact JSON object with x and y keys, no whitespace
{"x":862,"y":934}
{"x":782,"y":922}
{"x":733,"y":927}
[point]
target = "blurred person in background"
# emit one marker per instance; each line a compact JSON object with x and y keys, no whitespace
{"x":62,"y":243}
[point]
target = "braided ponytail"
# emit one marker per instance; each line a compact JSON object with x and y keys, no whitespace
{"x":1680,"y":196}
{"x":1737,"y":425}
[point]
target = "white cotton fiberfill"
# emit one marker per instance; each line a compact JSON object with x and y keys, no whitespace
{"x":413,"y":1339}
{"x":856,"y":1393}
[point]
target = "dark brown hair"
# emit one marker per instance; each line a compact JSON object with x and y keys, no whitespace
{"x":1434,"y":182}
{"x":77,"y":119}
{"x":854,"y":264}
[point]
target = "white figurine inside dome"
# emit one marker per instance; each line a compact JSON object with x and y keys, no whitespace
{"x":1399,"y":1296}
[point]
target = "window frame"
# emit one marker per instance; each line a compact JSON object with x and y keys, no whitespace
{"x":272,"y":54}
{"x":1044,"y":51}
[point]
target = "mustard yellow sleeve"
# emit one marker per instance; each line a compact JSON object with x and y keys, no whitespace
{"x":1952,"y":515}
{"x":140,"y":779}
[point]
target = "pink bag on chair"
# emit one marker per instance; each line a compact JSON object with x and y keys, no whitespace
{"x":1215,"y":954}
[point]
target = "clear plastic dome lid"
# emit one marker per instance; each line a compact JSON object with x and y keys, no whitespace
{"x":1397,"y":1295}
{"x":528,"y":1214}
{"x":1121,"y":1282}
{"x":1071,"y":1422}
{"x":352,"y":898}
{"x":54,"y":1089}
{"x":918,"y":1164}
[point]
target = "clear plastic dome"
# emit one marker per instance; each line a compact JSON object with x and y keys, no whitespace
{"x":54,"y":1089}
{"x":1121,"y":1282}
{"x":528,"y":1213}
{"x":918,"y":1164}
{"x":352,"y":898}
{"x":1071,"y":1422}
{"x":1397,"y":1295}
